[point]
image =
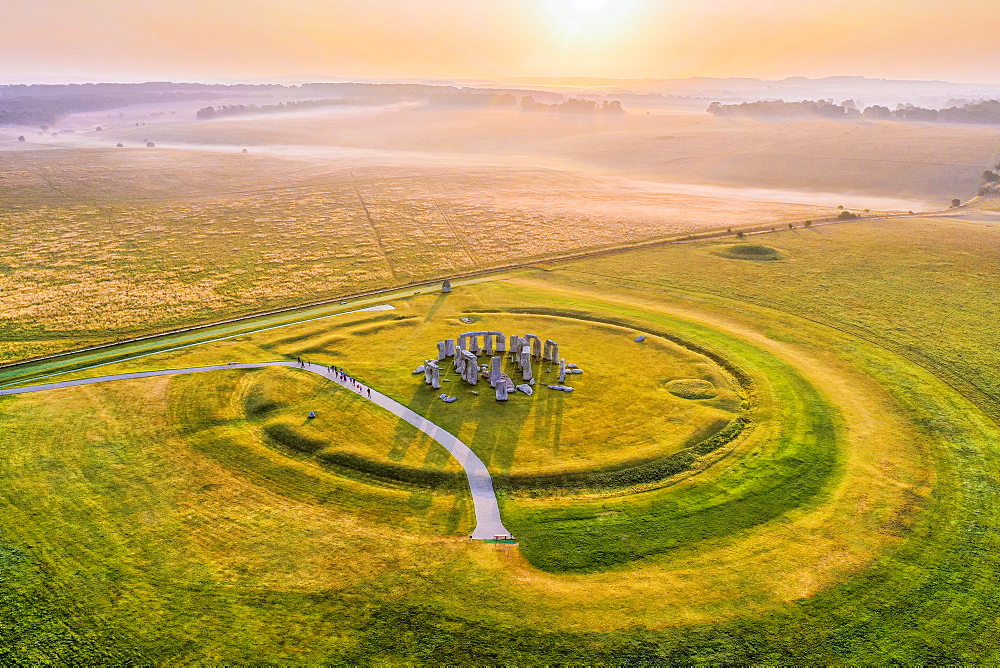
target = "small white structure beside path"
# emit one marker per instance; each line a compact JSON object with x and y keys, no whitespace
{"x":484,"y":498}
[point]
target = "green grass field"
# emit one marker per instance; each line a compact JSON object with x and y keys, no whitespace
{"x":834,"y":500}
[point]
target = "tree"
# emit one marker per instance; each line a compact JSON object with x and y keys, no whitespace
{"x":740,"y":235}
{"x":21,"y":138}
{"x":120,"y":145}
{"x":791,"y":226}
{"x":956,"y":202}
{"x":990,"y":177}
{"x":150,"y":144}
{"x":808,"y":223}
{"x":847,"y":215}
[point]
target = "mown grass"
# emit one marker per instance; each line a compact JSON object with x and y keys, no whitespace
{"x":169,"y":534}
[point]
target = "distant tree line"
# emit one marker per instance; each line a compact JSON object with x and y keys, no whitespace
{"x":239,"y":109}
{"x":573,"y":106}
{"x":983,"y":112}
{"x":44,"y":104}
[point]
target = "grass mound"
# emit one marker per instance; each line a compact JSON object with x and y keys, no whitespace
{"x":752,"y":252}
{"x":260,"y":400}
{"x":293,"y":437}
{"x":692,"y":388}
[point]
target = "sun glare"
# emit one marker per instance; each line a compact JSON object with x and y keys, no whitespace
{"x":590,"y":20}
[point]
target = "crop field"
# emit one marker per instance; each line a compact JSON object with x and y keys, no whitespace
{"x":104,"y":243}
{"x":798,"y":465}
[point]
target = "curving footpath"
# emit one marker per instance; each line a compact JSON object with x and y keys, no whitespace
{"x":484,"y":498}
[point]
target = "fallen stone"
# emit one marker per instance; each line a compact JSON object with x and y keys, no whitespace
{"x":465,"y":319}
{"x":640,"y":338}
{"x":574,"y":370}
{"x":312,"y":414}
{"x":525,"y":388}
{"x":474,"y":392}
{"x":571,"y":366}
{"x":419,"y":369}
{"x":561,"y":388}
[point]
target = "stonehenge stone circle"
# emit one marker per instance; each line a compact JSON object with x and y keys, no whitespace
{"x":524,"y":349}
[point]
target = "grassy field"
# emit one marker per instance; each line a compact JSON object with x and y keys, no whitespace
{"x":856,"y":521}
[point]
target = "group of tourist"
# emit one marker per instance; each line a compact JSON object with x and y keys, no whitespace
{"x":343,"y":377}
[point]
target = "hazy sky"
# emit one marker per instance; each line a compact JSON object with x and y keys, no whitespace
{"x":489,"y":39}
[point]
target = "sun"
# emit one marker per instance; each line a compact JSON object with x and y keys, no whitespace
{"x":589,"y":20}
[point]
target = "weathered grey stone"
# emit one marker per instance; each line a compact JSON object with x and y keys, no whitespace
{"x":441,"y":351}
{"x":527,"y":389}
{"x":449,"y":347}
{"x":515,"y":345}
{"x":570,"y":366}
{"x":536,"y":346}
{"x":470,"y":372}
{"x":474,"y":343}
{"x":446,"y":286}
{"x":562,"y":371}
{"x":640,"y":338}
{"x":495,"y":371}
{"x":505,"y":379}
{"x":488,"y":343}
{"x":525,"y":363}
{"x":435,"y":374}
{"x":501,"y":343}
{"x":466,"y":319}
{"x":419,"y":369}
{"x":562,"y":388}
{"x":501,"y":391}
{"x":575,"y":371}
{"x":449,"y":400}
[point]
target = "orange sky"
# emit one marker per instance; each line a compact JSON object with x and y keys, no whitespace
{"x":489,"y":39}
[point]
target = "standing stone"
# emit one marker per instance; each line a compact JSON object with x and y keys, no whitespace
{"x":460,"y":362}
{"x":488,"y":344}
{"x":471,"y":368}
{"x":501,"y":391}
{"x":427,"y":371}
{"x":525,"y":360}
{"x":474,"y":343}
{"x":555,"y":351}
{"x":495,"y":371}
{"x":435,"y":376}
{"x":536,"y":347}
{"x":501,"y":344}
{"x":446,"y":286}
{"x":562,"y":371}
{"x":449,"y":347}
{"x":442,"y":350}
{"x":515,"y":345}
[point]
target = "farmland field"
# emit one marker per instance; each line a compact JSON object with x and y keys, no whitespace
{"x":853,"y":518}
{"x":105,"y":243}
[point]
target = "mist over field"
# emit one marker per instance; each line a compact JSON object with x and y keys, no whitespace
{"x":242,"y":198}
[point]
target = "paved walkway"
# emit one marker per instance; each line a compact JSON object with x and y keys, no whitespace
{"x":488,"y":522}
